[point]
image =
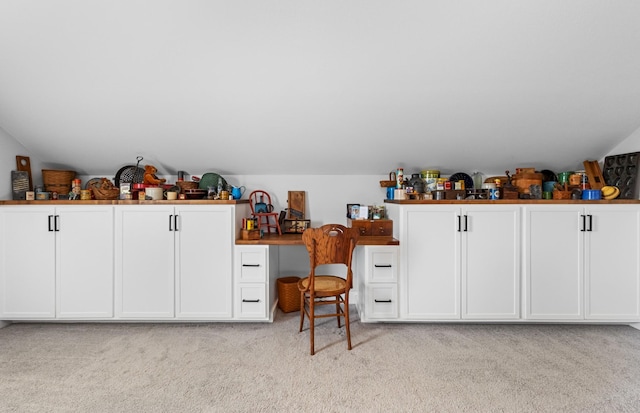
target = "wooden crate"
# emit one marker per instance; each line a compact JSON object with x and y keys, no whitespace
{"x":372,"y":227}
{"x":295,"y":226}
{"x":250,"y":234}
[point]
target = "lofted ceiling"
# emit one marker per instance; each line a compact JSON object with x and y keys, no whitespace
{"x":319,"y":87}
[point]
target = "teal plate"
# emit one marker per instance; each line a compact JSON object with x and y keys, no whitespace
{"x":211,"y":179}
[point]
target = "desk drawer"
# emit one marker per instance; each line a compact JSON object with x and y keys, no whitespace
{"x":383,"y":301}
{"x":251,"y":301}
{"x":253,"y":264}
{"x":384,"y":264}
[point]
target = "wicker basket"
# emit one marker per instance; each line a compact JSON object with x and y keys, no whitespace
{"x":187,"y":185}
{"x":57,"y":180}
{"x":288,"y":294}
{"x":561,"y":194}
{"x":105,"y":194}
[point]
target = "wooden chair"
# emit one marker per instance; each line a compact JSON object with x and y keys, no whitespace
{"x":328,"y":244}
{"x":262,"y":209}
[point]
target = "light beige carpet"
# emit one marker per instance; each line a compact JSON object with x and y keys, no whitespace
{"x":235,"y":367}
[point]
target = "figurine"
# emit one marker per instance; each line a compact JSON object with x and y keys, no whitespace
{"x":150,"y":177}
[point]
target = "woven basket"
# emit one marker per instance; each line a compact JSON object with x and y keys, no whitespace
{"x":105,"y":194}
{"x":57,"y":180}
{"x":288,"y":294}
{"x":187,"y":185}
{"x":561,"y":194}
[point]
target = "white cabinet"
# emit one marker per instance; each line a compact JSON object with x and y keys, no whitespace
{"x":204,"y":262}
{"x":56,"y":262}
{"x":84,"y":261}
{"x":612,"y":263}
{"x":174,"y":262}
{"x":145,"y":261}
{"x":430,"y":263}
{"x":377,"y":281}
{"x":256,"y":267}
{"x":582,"y":262}
{"x":27,"y":275}
{"x":459,"y":262}
{"x":553,"y":262}
{"x":490,"y":262}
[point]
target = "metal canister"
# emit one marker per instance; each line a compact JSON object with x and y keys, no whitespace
{"x":399,"y":178}
{"x":430,"y":177}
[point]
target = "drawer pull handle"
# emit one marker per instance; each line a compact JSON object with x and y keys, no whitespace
{"x":250,"y":265}
{"x":382,"y":265}
{"x":382,"y":301}
{"x":244,"y":300}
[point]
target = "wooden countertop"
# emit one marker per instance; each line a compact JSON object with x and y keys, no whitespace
{"x":510,"y":201}
{"x":128,"y":202}
{"x":296,"y":239}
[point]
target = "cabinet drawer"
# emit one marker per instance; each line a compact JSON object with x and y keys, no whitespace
{"x":383,"y":301}
{"x":252,"y":301}
{"x":253,"y":265}
{"x":382,"y":227}
{"x":373,"y":227}
{"x":384,"y":265}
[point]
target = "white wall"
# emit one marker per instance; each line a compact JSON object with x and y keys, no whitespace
{"x":630,"y":144}
{"x":9,"y":149}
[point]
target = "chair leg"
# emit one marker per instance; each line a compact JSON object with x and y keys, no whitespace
{"x":312,"y":322}
{"x":346,"y":319}
{"x":338,"y":310}
{"x":301,"y":310}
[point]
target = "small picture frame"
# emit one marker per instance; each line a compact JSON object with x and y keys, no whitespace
{"x":363,"y":212}
{"x":353,"y":210}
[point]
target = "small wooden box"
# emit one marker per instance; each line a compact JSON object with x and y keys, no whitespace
{"x":455,"y":194}
{"x":295,"y":226}
{"x":373,"y":227}
{"x":247,"y":234}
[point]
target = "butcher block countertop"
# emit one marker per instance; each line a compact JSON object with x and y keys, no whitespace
{"x":296,"y":239}
{"x":127,"y":202}
{"x":510,"y":201}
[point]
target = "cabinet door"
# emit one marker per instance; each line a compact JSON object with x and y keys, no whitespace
{"x":204,"y":267}
{"x":27,"y":262}
{"x":144,"y":259}
{"x":430,"y":263}
{"x":491,"y":262}
{"x":84,"y":261}
{"x":553,"y":262}
{"x":612,"y":265}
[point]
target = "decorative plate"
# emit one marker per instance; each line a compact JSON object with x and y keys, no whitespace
{"x":92,"y":181}
{"x":468,"y":181}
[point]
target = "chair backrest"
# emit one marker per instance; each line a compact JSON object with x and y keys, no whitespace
{"x":331,"y":244}
{"x":258,"y":196}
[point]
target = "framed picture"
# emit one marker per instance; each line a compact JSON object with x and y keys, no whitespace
{"x":353,"y":210}
{"x":295,"y":226}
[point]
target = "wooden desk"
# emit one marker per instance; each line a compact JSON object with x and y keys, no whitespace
{"x":296,"y":239}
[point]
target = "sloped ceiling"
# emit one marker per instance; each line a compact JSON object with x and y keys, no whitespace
{"x":319,"y":87}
